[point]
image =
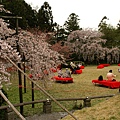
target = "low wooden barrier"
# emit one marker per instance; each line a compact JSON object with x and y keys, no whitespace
{"x":47,"y":103}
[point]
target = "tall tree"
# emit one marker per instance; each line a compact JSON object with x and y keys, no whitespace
{"x":111,"y":34}
{"x":72,"y":23}
{"x":117,"y":37}
{"x":86,"y":44}
{"x":22,"y":9}
{"x":45,"y":18}
{"x":60,"y":33}
{"x":37,"y":52}
{"x":103,"y":25}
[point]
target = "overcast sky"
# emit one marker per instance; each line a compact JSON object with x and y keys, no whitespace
{"x":90,"y":12}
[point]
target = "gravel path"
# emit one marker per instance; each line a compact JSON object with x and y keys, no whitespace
{"x":50,"y":116}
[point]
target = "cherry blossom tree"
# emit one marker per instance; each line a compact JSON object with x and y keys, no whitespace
{"x":6,"y":50}
{"x":62,"y":49}
{"x":113,"y":55}
{"x":38,"y":54}
{"x":88,"y":44}
{"x":36,"y":51}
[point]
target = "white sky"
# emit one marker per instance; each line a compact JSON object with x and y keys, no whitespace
{"x":90,"y":12}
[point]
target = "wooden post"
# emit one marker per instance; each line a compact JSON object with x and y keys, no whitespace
{"x":87,"y":102}
{"x":24,"y":80}
{"x":23,"y":60}
{"x":32,"y":93}
{"x":19,"y":72}
{"x":20,"y":89}
{"x":47,"y":106}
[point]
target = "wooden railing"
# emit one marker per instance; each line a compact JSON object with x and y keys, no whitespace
{"x":59,"y":99}
{"x":47,"y":103}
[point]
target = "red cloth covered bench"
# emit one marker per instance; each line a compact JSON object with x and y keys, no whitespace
{"x":119,"y":64}
{"x":100,"y":66}
{"x":60,"y":79}
{"x":78,"y":71}
{"x":82,"y":67}
{"x":107,"y":83}
{"x":105,"y":65}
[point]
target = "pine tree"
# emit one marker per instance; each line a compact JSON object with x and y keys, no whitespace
{"x":22,"y":9}
{"x":45,"y":18}
{"x":72,"y":23}
{"x":60,"y":33}
{"x":111,"y":34}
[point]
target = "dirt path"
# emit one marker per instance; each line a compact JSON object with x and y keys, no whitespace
{"x":49,"y":116}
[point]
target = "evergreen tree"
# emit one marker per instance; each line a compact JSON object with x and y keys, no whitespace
{"x":103,"y":25}
{"x":60,"y":33}
{"x":45,"y":18}
{"x":72,"y":23}
{"x":22,"y":9}
{"x":117,"y":37}
{"x":111,"y":34}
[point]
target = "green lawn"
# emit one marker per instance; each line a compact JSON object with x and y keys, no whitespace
{"x":81,"y":87}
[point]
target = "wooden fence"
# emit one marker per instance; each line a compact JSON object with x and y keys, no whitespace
{"x":47,"y":104}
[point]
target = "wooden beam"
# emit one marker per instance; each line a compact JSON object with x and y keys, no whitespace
{"x":11,"y":17}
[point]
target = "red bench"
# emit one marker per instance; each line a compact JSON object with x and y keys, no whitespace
{"x":119,"y":64}
{"x":107,"y":83}
{"x":82,"y":67}
{"x":60,"y":79}
{"x":78,"y":71}
{"x":105,"y":65}
{"x":100,"y":66}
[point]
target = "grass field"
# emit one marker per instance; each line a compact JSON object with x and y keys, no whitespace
{"x":81,"y":87}
{"x":106,"y":110}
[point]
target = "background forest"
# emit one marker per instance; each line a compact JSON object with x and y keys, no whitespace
{"x":75,"y":43}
